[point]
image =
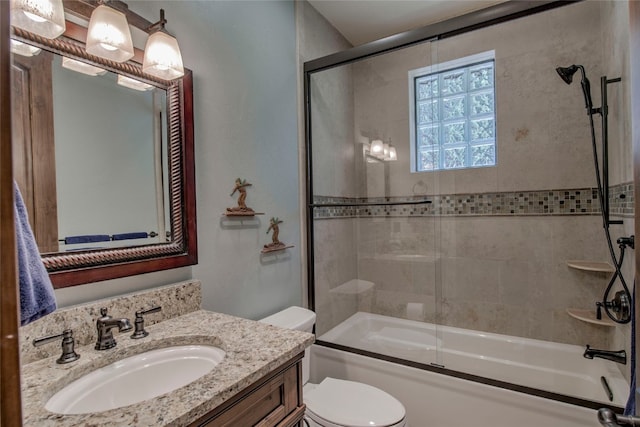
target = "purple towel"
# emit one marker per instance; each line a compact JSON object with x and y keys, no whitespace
{"x":36,"y":291}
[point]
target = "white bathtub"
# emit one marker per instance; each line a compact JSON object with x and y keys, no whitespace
{"x":558,"y":368}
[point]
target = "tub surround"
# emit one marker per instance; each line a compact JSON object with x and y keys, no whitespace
{"x":253,"y":351}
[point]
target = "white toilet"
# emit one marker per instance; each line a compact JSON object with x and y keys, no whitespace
{"x":339,"y":403}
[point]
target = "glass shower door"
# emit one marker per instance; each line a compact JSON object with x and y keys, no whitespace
{"x":374,"y":231}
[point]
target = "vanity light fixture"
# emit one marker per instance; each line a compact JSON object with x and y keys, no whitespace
{"x":24,"y":49}
{"x":393,"y":155}
{"x":42,"y":17}
{"x":377,"y":148}
{"x":108,"y":35}
{"x":133,"y":83}
{"x":81,"y":67}
{"x":162,"y":56}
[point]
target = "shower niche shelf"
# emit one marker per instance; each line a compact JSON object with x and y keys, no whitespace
{"x":596,"y":266}
{"x":589,"y":316}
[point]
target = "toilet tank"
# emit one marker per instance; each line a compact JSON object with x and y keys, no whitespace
{"x":299,"y":319}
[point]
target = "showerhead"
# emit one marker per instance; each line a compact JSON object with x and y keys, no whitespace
{"x":566,"y":73}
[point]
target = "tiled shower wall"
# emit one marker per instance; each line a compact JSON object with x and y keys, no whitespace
{"x":497,"y":273}
{"x":489,"y":253}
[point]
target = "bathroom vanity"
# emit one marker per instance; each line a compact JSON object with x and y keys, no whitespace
{"x":257,"y":382}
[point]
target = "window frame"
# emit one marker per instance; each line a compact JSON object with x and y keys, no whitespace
{"x":443,"y":67}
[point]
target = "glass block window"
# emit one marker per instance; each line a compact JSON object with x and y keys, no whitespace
{"x":453,"y":123}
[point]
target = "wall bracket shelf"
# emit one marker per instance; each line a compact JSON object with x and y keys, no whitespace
{"x":276,"y":249}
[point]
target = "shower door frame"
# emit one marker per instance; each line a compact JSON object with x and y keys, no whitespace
{"x":502,"y":12}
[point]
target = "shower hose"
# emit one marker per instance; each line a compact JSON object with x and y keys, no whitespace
{"x":609,"y":306}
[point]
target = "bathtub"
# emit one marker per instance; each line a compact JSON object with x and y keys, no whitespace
{"x":537,"y":365}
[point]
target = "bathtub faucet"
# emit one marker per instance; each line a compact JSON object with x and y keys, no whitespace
{"x":614,"y":356}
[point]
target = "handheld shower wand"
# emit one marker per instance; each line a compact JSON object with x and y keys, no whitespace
{"x":566,"y":74}
{"x":618,"y":309}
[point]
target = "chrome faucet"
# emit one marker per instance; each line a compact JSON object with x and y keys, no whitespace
{"x":104,"y":325}
{"x":614,"y":356}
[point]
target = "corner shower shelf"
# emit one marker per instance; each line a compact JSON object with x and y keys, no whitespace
{"x":589,"y":316}
{"x":597,"y":266}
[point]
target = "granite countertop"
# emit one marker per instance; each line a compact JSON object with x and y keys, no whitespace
{"x":252,"y":349}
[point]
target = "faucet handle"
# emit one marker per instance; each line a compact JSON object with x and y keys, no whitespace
{"x":68,"y":346}
{"x":103,"y":314}
{"x":139,"y":322}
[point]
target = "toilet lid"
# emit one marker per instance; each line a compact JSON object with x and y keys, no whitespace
{"x":353,"y":404}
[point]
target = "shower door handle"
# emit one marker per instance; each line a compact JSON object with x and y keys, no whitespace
{"x":608,"y":418}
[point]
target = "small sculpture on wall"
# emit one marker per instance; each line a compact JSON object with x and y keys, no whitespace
{"x":275,"y":245}
{"x":242,"y":209}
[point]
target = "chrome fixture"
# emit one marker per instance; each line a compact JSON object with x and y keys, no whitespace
{"x":105,"y":324}
{"x":139,"y":322}
{"x":614,"y":356}
{"x":608,"y":418}
{"x":68,"y":344}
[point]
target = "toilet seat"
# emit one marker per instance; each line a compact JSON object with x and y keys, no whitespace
{"x":340,"y":403}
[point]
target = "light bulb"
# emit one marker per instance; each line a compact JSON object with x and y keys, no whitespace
{"x":108,"y":35}
{"x":23,"y":48}
{"x":81,"y":67}
{"x":42,"y":17}
{"x":133,"y":83}
{"x":162,"y":57}
{"x":393,"y":155}
{"x":377,"y":147}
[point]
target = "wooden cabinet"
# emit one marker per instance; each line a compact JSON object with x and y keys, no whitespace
{"x":275,"y":400}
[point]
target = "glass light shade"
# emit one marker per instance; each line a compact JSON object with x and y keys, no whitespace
{"x":386,"y":152}
{"x":162,"y":57}
{"x":81,"y":67}
{"x":108,"y":35}
{"x":24,"y":49}
{"x":42,"y":17}
{"x":393,"y":155}
{"x":377,"y":147}
{"x":133,"y":83}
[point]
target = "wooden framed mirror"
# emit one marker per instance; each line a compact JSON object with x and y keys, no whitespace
{"x":173,"y":243}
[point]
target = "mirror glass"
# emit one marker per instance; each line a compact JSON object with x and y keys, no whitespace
{"x":103,"y":156}
{"x":110,"y":157}
{"x":110,"y":161}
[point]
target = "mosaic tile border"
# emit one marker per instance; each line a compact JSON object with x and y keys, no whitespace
{"x":580,"y":201}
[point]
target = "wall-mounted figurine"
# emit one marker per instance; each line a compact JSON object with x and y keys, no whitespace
{"x":275,"y":245}
{"x":242,"y":209}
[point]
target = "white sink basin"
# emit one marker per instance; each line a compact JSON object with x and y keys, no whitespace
{"x":135,"y":379}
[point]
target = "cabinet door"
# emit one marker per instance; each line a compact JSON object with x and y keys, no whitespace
{"x":275,"y":400}
{"x":33,"y":145}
